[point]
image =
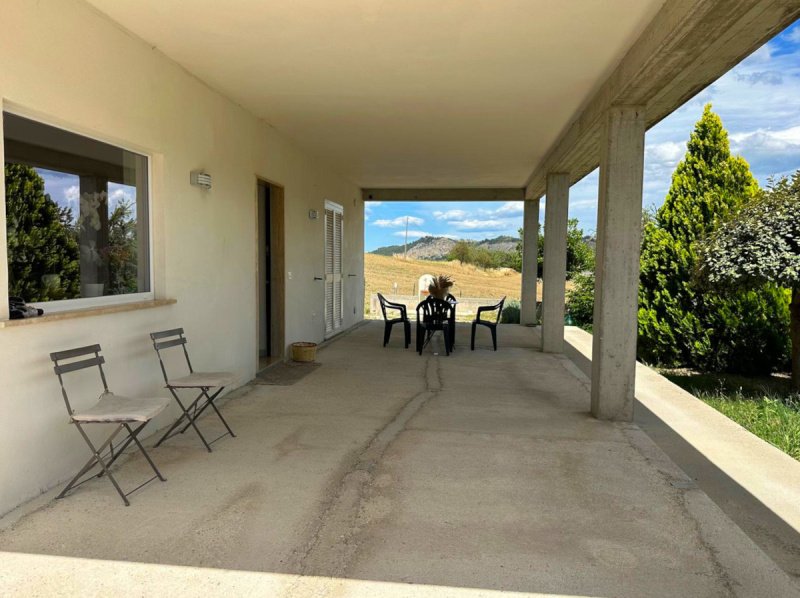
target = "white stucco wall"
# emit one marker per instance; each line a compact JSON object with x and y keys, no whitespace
{"x":67,"y":64}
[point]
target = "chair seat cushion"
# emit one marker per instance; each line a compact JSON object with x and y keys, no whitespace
{"x":113,"y":408}
{"x":202,"y":380}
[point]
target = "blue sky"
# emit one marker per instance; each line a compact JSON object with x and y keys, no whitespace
{"x":64,"y":189}
{"x":758,"y":101}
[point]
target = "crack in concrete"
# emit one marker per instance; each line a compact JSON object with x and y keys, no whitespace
{"x":681,"y":485}
{"x":333,"y":537}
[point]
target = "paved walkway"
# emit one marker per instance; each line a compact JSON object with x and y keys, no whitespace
{"x":465,"y":475}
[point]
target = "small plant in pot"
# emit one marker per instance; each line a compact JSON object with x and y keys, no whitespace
{"x":440,"y":286}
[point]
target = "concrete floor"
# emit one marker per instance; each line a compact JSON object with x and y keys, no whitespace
{"x":465,"y":475}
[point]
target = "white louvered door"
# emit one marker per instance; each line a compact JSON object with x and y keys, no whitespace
{"x":334,"y":232}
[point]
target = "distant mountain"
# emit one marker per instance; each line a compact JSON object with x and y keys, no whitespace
{"x":437,"y":248}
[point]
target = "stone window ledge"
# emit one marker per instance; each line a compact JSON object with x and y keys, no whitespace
{"x":86,"y":312}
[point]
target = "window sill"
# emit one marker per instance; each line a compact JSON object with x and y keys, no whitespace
{"x":87,"y":312}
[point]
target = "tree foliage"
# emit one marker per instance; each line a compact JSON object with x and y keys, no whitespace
{"x":43,"y":257}
{"x":681,"y":324}
{"x":761,"y":245}
{"x":580,"y":255}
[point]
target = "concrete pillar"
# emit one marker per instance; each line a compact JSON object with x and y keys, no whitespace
{"x":555,"y":262}
{"x":530,"y":261}
{"x":619,"y":216}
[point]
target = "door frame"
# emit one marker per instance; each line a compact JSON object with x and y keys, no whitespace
{"x":277,"y":269}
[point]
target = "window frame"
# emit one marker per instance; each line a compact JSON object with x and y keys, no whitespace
{"x":81,"y":302}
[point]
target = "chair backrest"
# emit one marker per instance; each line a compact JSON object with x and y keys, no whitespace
{"x":382,"y":301}
{"x":434,"y":311}
{"x":166,"y":339}
{"x":497,"y":308}
{"x":73,"y":360}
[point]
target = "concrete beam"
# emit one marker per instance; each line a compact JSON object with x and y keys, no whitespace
{"x":530,"y":261}
{"x":687,"y":46}
{"x":619,"y":232}
{"x":467,"y":194}
{"x":555,"y":262}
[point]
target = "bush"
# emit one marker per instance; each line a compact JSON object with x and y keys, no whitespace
{"x":580,"y":300}
{"x":680,"y":323}
{"x":510,"y":313}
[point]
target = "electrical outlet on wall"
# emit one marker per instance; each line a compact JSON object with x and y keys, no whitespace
{"x":290,"y":275}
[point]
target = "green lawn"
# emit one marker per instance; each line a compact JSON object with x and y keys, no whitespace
{"x":764,"y":406}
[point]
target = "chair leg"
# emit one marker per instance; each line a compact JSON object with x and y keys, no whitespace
{"x":407,"y":326}
{"x":99,"y":459}
{"x":472,"y":337}
{"x":494,"y":336}
{"x":134,"y":434}
{"x":214,"y":407}
{"x":420,"y":334}
{"x":387,"y":333}
{"x":91,"y":462}
{"x":189,"y":417}
{"x":447,"y":340}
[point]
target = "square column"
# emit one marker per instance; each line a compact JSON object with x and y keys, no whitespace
{"x":556,"y":211}
{"x":530,"y":261}
{"x":619,"y":232}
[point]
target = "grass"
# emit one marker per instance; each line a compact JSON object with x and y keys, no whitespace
{"x":765,"y":405}
{"x":381,"y":272}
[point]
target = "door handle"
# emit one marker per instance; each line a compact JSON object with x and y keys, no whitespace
{"x":317,"y":278}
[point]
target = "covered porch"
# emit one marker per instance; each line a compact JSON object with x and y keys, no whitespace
{"x":386,"y":473}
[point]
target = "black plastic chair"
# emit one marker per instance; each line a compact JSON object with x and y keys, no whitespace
{"x":492,"y":326}
{"x":432,"y":315}
{"x":388,"y":322}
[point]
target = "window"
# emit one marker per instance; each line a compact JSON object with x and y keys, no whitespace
{"x":76,"y":215}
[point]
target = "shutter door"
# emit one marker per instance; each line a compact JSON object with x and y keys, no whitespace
{"x":334,"y":301}
{"x":338,"y":308}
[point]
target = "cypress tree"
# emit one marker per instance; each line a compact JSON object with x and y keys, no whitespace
{"x":679,"y":323}
{"x":43,"y":256}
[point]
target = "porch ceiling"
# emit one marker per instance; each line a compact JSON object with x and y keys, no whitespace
{"x":409,"y":94}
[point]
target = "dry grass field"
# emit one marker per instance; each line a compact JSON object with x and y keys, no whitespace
{"x":381,"y":272}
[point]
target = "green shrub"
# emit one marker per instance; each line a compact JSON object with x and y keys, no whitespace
{"x":680,"y":324}
{"x":510,"y":313}
{"x":580,"y":300}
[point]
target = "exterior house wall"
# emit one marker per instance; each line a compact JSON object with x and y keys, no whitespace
{"x":66,"y":64}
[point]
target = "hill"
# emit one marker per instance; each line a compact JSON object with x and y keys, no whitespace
{"x":437,"y":248}
{"x":381,"y":272}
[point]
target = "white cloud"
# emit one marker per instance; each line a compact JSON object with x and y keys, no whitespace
{"x":118,"y":195}
{"x":450,"y":214}
{"x":511,"y":207}
{"x":399,"y":221}
{"x":415,"y":234}
{"x":773,"y":141}
{"x":484,"y":225}
{"x":667,"y":153}
{"x":72,"y":193}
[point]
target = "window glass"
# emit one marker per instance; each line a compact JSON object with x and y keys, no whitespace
{"x":76,"y":215}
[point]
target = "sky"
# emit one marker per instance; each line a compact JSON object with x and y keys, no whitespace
{"x":64,"y":189}
{"x":758,"y":101}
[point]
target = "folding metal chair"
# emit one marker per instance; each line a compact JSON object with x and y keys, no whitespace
{"x":202,"y":381}
{"x":132,"y":415}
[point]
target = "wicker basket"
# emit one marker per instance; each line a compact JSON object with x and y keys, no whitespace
{"x":304,"y":352}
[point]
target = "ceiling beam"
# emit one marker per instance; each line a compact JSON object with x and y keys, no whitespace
{"x":687,"y":46}
{"x":467,"y":194}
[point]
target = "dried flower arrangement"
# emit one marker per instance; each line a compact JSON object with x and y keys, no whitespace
{"x":440,"y":286}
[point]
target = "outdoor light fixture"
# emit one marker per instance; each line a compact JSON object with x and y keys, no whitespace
{"x":313,"y":214}
{"x":198,"y":178}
